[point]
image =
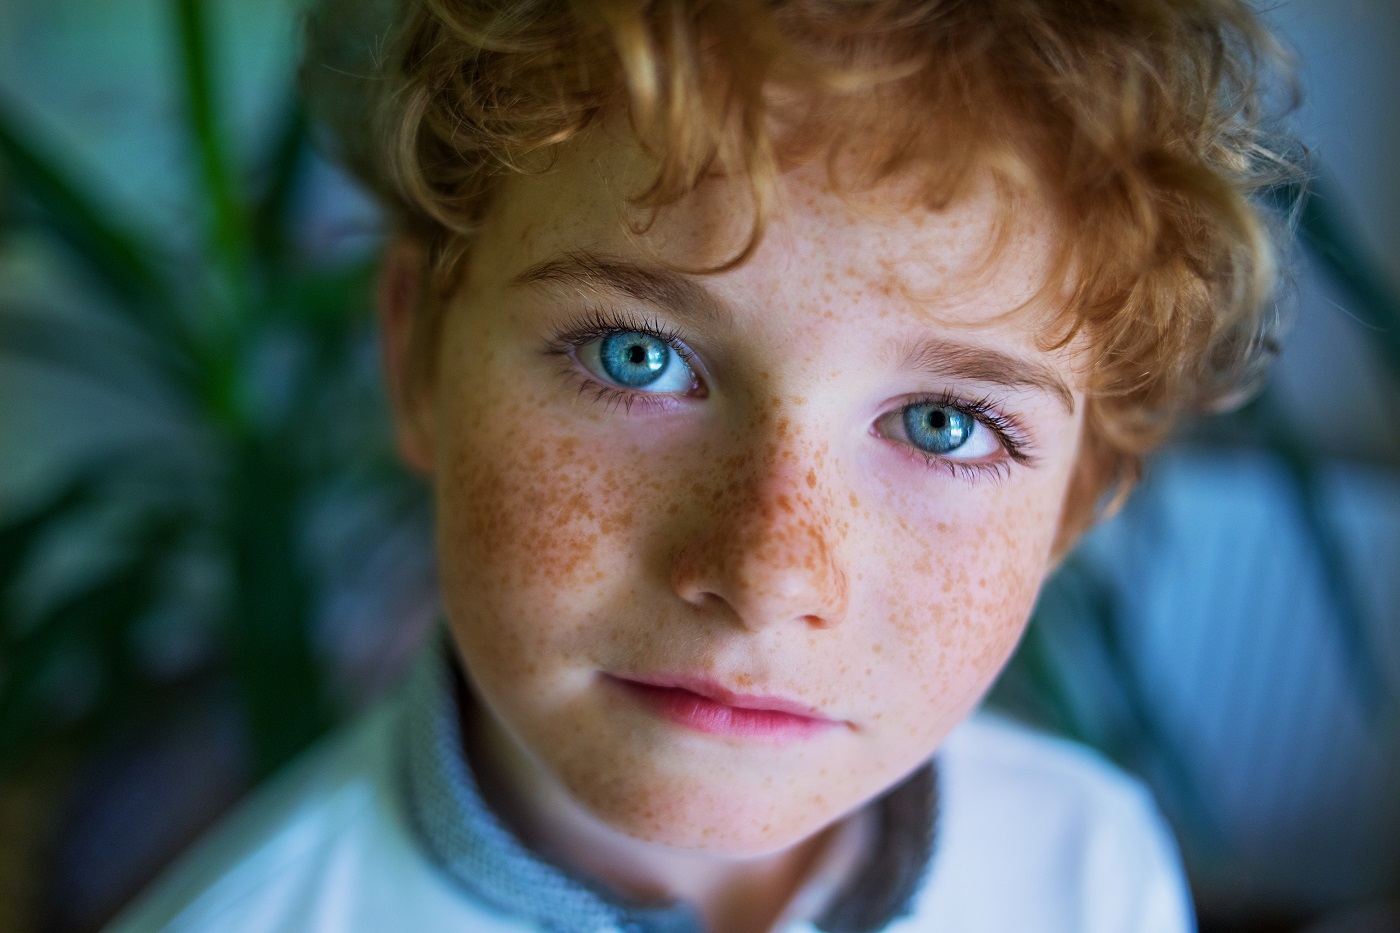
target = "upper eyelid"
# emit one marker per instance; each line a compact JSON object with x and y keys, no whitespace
{"x":595,"y":323}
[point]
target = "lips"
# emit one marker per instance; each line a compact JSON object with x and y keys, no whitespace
{"x":707,"y":707}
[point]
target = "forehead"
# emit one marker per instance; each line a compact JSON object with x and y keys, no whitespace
{"x":879,"y":253}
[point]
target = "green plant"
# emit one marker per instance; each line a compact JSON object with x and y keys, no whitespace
{"x":254,"y":358}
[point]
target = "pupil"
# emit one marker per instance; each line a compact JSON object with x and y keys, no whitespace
{"x":937,"y":420}
{"x":636,"y":354}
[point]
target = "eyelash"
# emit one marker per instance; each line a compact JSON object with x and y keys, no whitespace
{"x":594,"y":323}
{"x":987,"y":412}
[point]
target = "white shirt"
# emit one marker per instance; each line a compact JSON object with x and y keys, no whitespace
{"x":1034,"y":835}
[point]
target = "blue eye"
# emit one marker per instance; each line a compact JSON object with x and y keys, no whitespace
{"x":635,"y":359}
{"x":937,"y":429}
{"x":961,"y":435}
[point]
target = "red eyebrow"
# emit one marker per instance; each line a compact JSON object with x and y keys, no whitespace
{"x":663,"y":287}
{"x":949,"y":359}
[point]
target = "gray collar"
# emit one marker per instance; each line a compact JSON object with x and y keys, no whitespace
{"x":477,"y":851}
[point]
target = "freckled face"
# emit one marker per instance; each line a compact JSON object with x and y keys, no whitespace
{"x":805,"y":509}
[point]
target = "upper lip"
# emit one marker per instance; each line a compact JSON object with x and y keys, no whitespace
{"x":718,"y":693}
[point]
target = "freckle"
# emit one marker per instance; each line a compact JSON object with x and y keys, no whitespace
{"x":854,"y":501}
{"x":811,"y":479}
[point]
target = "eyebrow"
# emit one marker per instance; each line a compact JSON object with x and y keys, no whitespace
{"x":951,"y":360}
{"x":678,"y":293}
{"x":662,"y":287}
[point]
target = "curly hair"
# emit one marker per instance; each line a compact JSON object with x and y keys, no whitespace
{"x":1146,"y":123}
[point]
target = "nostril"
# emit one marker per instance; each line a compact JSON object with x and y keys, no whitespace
{"x":814,"y":621}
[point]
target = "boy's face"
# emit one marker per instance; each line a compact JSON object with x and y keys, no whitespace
{"x":817,"y":511}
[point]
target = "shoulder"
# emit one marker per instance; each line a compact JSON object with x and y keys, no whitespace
{"x":1040,"y":834}
{"x":321,"y":847}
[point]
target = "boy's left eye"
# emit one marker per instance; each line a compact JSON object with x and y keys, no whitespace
{"x":638,"y":361}
{"x":944,"y":430}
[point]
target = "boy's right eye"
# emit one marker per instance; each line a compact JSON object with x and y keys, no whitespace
{"x":633,"y":359}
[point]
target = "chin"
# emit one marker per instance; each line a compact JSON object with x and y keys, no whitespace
{"x":716,"y":816}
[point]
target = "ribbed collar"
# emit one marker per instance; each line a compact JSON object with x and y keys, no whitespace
{"x":477,"y":851}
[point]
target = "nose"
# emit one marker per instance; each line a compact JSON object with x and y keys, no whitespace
{"x":768,"y":546}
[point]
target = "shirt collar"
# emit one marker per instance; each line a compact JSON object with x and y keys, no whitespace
{"x":895,"y":835}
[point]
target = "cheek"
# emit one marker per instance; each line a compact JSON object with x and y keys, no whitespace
{"x":533,"y":520}
{"x":959,"y":586}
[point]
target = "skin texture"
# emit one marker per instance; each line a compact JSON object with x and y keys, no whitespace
{"x":772,"y":531}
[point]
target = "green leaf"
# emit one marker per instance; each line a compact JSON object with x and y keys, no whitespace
{"x":283,"y":170}
{"x":106,"y":609}
{"x":117,"y":258}
{"x":227,"y":229}
{"x":19,"y":533}
{"x":282,"y":683}
{"x":64,"y":345}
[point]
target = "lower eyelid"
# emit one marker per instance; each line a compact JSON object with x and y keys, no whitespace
{"x":613,"y":397}
{"x":960,"y":469}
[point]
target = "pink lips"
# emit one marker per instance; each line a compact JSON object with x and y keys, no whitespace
{"x":708,"y":707}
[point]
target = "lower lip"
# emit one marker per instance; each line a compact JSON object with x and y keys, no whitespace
{"x":705,"y":715}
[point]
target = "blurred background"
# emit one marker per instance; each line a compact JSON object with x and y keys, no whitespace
{"x":208,"y":557}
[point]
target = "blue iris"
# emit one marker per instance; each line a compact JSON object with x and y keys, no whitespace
{"x":634,"y":359}
{"x":937,"y":429}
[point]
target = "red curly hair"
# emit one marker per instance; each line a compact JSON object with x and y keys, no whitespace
{"x":1142,"y":121}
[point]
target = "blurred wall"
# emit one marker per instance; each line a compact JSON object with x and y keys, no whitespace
{"x":1349,"y":52}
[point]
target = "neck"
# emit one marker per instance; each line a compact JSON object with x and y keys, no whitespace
{"x":734,"y":895}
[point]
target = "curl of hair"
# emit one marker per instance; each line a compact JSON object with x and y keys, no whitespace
{"x":1144,"y":122}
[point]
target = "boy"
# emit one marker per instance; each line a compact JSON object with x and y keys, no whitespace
{"x":764,"y":359}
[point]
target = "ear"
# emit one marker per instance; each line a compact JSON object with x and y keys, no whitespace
{"x":400,"y":295}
